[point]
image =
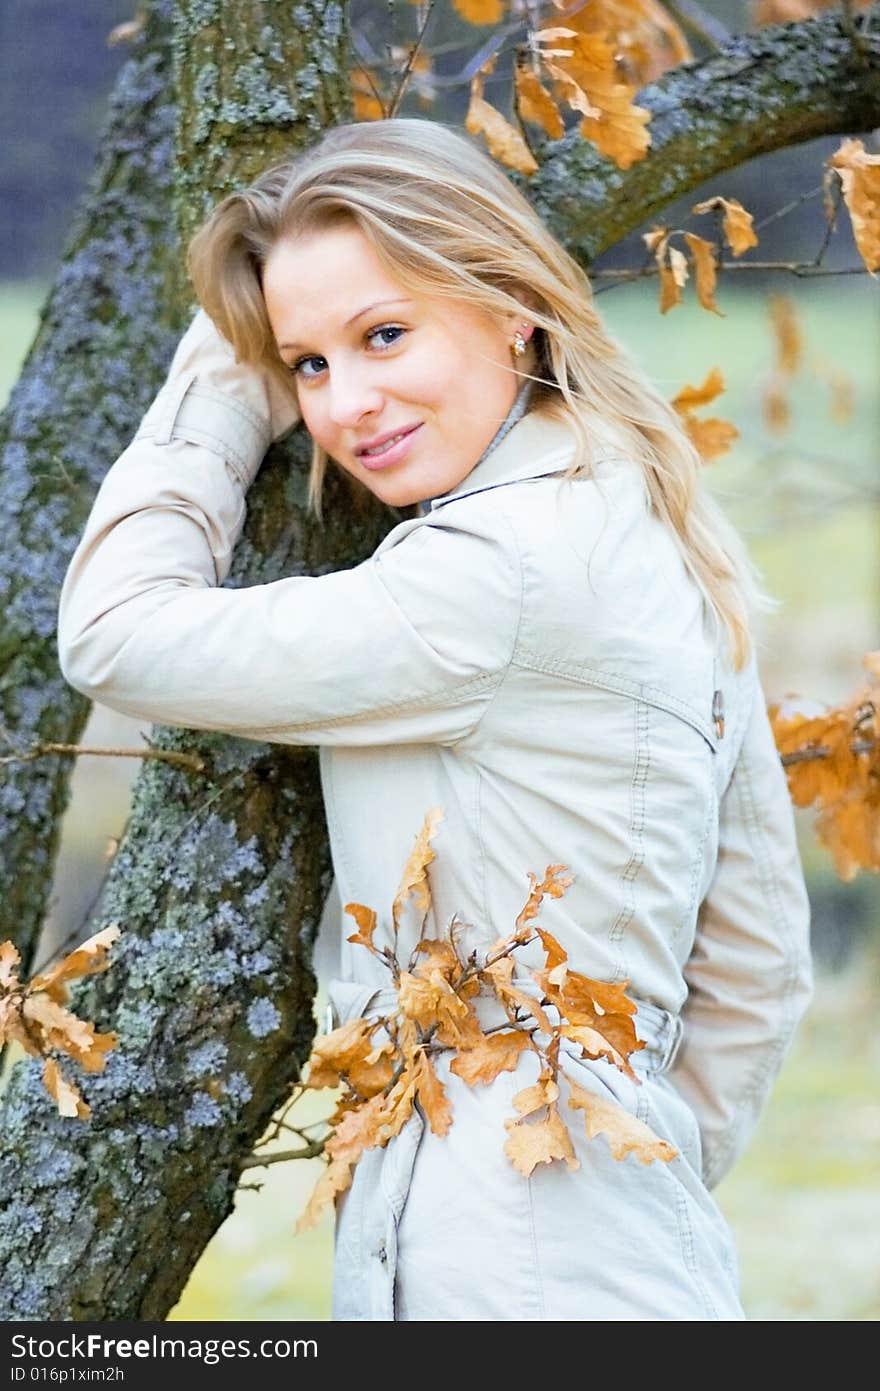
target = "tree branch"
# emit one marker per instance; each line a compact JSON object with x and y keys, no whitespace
{"x":782,"y":86}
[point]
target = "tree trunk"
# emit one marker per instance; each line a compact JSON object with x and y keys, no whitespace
{"x":105,"y":332}
{"x":221,"y":877}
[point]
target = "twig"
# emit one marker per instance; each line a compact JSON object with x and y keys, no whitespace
{"x":310,"y":1151}
{"x":414,"y":51}
{"x":183,"y":760}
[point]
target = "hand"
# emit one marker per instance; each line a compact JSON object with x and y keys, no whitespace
{"x":205,"y":351}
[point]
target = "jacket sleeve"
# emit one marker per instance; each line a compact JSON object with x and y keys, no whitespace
{"x":749,"y":975}
{"x":393,"y":650}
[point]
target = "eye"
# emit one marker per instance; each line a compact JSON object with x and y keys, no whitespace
{"x":393,"y":332}
{"x":296,"y":367}
{"x":395,"y":329}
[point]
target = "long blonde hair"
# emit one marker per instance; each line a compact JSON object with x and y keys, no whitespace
{"x":449,"y":222}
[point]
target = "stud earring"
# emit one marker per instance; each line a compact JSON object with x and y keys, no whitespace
{"x":519,"y":344}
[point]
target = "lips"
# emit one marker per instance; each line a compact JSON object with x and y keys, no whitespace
{"x":382,"y":441}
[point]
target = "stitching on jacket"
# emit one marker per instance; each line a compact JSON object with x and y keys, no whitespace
{"x":468,"y":688}
{"x":505,"y":670}
{"x":198,"y":434}
{"x":685,"y":1226}
{"x":620,"y":685}
{"x":630,"y":871}
{"x":770,"y":1061}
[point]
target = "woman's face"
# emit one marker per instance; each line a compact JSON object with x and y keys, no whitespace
{"x":372,"y":360}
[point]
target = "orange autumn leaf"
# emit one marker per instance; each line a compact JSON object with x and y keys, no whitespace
{"x":553,"y":885}
{"x":432,"y":1096}
{"x":787,"y":335}
{"x":618,"y":128}
{"x":647,"y":41}
{"x":671,"y":265}
{"x":710,"y":437}
{"x":544,"y":1092}
{"x":531,"y":1142}
{"x":859,"y":174}
{"x":494,"y":1054}
{"x":335,"y":1053}
{"x":69,"y":1099}
{"x":366,"y":921}
{"x":480,"y":12}
{"x":536,"y":104}
{"x":692,"y":396}
{"x":434,"y":1002}
{"x":505,"y":144}
{"x":735,"y":221}
{"x":774,"y":406}
{"x":414,"y":880}
{"x":367,"y":104}
{"x":88,"y":959}
{"x":335,"y":1179}
{"x":838,"y":768}
{"x":625,"y":1133}
{"x":703,"y":253}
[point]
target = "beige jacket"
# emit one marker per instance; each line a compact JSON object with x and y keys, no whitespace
{"x":531,"y":656}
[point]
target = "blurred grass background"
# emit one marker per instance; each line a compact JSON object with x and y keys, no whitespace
{"x":804,"y":1202}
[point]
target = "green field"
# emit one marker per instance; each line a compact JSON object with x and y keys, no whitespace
{"x":804,"y":1202}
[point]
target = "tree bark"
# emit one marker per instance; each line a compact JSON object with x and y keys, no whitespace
{"x":104,"y":334}
{"x":220,"y":879}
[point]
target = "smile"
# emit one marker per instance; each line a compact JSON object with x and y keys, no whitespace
{"x":389,"y":452}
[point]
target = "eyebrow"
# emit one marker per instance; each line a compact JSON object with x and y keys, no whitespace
{"x":399,"y":299}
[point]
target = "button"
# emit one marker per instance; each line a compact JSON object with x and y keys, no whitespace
{"x":381,"y":1252}
{"x":718,"y":713}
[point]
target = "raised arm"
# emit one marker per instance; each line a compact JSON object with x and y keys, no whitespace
{"x":393,"y":650}
{"x":750,"y":972}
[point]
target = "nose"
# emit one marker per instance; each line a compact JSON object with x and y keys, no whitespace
{"x":352,"y":395}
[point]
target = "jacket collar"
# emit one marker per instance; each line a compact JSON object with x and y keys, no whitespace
{"x":532,"y":448}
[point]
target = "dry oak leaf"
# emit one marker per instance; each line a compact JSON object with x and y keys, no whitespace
{"x":671,"y":264}
{"x":625,"y":1133}
{"x":859,"y":173}
{"x":414,"y":879}
{"x":710,"y":437}
{"x":703,"y":253}
{"x":367,"y":104}
{"x":69,"y":1099}
{"x":431,"y":1002}
{"x":647,"y":41}
{"x":840,"y":771}
{"x":366,"y":921}
{"x":432,"y":1096}
{"x":786,"y":333}
{"x":775,"y":409}
{"x":530,"y":1142}
{"x":618,"y":130}
{"x":335,"y":1179}
{"x":480,"y":12}
{"x":495,"y":1053}
{"x":504,"y":142}
{"x":88,"y":959}
{"x":57,"y":1027}
{"x":736,"y":222}
{"x":335,"y":1053}
{"x":544,"y":1092}
{"x":850,"y":830}
{"x":536,"y":104}
{"x":553,"y":885}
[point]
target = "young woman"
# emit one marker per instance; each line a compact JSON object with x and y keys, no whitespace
{"x":554,"y":649}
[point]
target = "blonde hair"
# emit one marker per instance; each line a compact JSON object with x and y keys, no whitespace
{"x":449,"y":222}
